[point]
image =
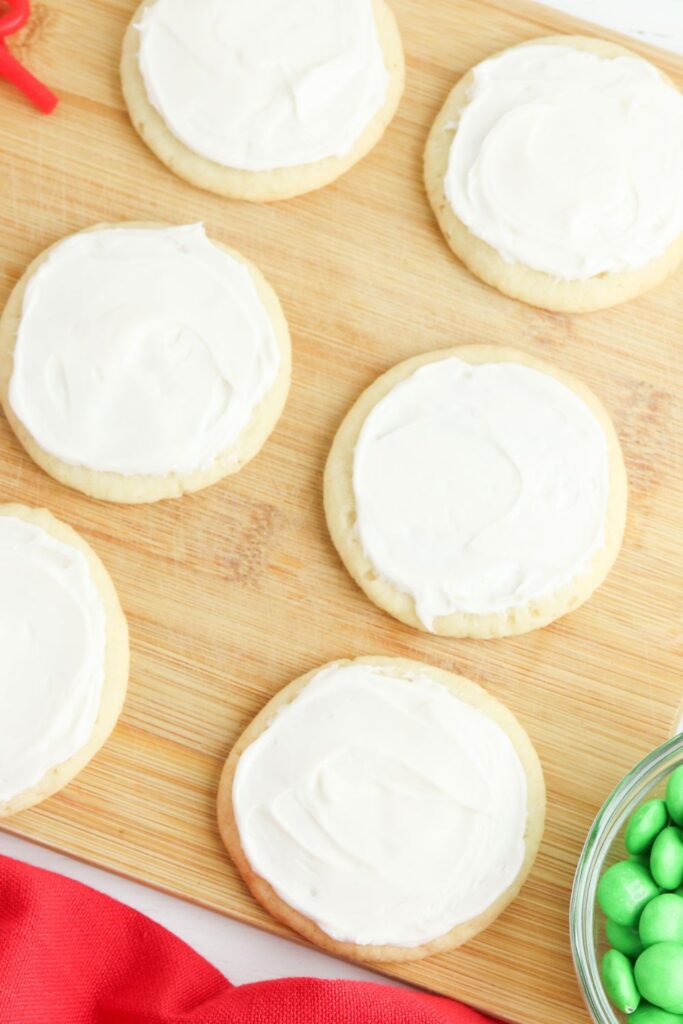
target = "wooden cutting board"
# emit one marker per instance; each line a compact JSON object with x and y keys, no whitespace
{"x":234,"y":591}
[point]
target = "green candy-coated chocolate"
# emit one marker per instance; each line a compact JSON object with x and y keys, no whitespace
{"x":662,"y":920}
{"x":624,"y":890}
{"x":619,"y":981}
{"x":626,"y":940}
{"x":648,"y":1014}
{"x":645,"y":825}
{"x":674,"y":795}
{"x":666,"y":858}
{"x":659,"y":976}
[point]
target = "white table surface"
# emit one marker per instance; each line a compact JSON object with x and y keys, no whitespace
{"x":658,"y":22}
{"x":243,"y":953}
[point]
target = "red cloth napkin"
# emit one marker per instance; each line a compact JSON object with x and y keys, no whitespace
{"x":69,"y":955}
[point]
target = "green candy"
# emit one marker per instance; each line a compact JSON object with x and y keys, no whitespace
{"x":666,"y":858}
{"x":674,"y":795}
{"x":624,"y":890}
{"x":619,"y":981}
{"x":626,"y":940}
{"x":659,"y":976}
{"x":645,"y":824}
{"x":662,"y":920}
{"x":647,"y":1014}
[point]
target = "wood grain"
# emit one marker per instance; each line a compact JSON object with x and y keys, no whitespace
{"x":233,"y":592}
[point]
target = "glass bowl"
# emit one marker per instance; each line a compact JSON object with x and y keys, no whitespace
{"x":604,"y":846}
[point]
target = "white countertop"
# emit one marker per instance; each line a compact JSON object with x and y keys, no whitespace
{"x":242,"y":953}
{"x":658,"y":22}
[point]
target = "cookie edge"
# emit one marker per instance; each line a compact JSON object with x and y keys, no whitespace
{"x":473,"y":694}
{"x":340,"y":508}
{"x":257,"y":186}
{"x":146,"y":488}
{"x":117,"y":661}
{"x":516,"y":280}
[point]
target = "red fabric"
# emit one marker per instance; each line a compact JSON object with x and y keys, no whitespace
{"x":69,"y":955}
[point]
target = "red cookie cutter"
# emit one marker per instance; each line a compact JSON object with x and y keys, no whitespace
{"x":13,"y":15}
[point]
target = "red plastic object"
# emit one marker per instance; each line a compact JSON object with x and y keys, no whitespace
{"x":15,"y":16}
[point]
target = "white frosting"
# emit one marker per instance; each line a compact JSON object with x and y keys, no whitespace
{"x":480,"y":488}
{"x":141,"y":351}
{"x":568,"y":162}
{"x":263,"y":84}
{"x":384,"y":808}
{"x":52,"y":644}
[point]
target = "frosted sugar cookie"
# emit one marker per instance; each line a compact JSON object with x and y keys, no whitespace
{"x":384,"y":809}
{"x":141,"y":361}
{"x":555,"y":170}
{"x":476,"y":492}
{"x":64,"y":646}
{"x":264,"y":100}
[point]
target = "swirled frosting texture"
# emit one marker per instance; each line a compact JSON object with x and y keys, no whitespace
{"x":52,"y":643}
{"x":568,"y":162}
{"x":382,"y":806}
{"x":480,"y":488}
{"x":263,"y":84}
{"x":141,"y":351}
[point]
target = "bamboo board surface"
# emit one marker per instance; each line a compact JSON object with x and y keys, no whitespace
{"x":233,"y":592}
